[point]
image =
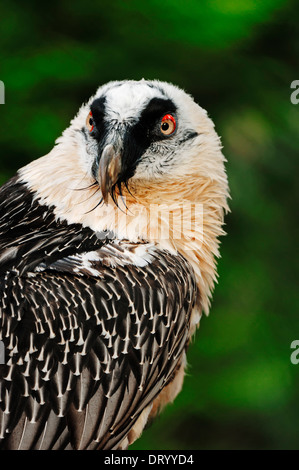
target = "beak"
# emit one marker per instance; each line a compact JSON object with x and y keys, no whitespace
{"x":109,"y":170}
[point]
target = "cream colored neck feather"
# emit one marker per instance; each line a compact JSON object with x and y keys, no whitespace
{"x":183,"y":214}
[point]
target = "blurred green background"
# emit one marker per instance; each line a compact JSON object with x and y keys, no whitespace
{"x":238,"y":59}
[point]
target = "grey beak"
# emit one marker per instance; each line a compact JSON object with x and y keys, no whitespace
{"x":109,"y":170}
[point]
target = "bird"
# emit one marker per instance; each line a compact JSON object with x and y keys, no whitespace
{"x":108,"y":260}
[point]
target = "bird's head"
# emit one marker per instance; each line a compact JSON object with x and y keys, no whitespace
{"x":143,"y":132}
{"x":148,"y":143}
{"x":138,"y":131}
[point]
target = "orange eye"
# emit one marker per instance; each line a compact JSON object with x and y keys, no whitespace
{"x":168,"y":124}
{"x":89,"y":122}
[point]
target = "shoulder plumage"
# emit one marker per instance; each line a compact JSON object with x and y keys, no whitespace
{"x":93,"y":329}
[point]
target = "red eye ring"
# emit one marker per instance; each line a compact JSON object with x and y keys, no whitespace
{"x":89,"y":122}
{"x":168,"y":124}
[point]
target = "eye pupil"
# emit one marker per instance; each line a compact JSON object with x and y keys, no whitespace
{"x":89,"y":122}
{"x":168,"y":125}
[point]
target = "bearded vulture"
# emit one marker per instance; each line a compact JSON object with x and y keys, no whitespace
{"x":107,"y":261}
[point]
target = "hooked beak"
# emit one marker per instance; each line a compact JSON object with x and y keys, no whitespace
{"x":109,"y":170}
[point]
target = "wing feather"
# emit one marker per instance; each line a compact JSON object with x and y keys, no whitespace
{"x":93,"y":328}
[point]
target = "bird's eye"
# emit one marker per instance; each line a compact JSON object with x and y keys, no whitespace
{"x":168,"y":124}
{"x":89,"y":122}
